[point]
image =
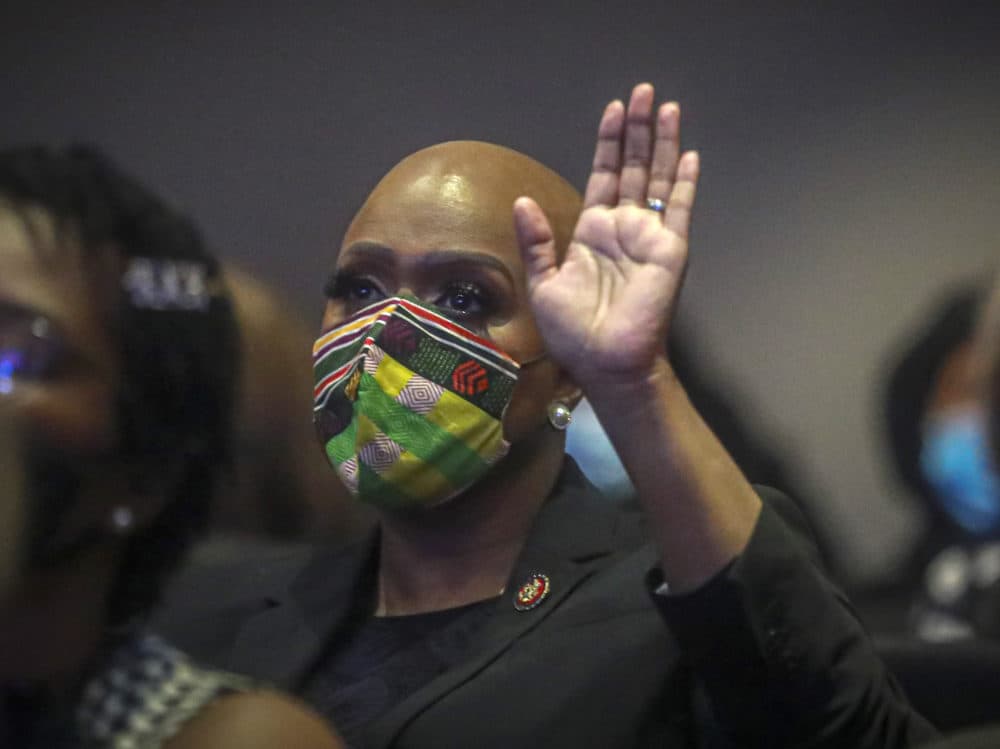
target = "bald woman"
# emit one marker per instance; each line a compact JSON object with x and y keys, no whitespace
{"x":501,"y":602}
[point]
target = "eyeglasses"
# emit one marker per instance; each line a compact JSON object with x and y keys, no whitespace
{"x":31,"y":347}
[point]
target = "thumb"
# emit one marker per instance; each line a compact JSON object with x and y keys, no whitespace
{"x":536,"y":240}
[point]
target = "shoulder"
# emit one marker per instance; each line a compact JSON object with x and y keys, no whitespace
{"x":255,"y":720}
{"x":222,"y":572}
{"x":214,"y":561}
{"x":223,"y":584}
{"x":148,"y":693}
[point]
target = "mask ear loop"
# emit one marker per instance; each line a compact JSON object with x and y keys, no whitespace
{"x":533,"y":360}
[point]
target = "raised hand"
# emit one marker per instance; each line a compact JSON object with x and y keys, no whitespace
{"x":605,"y":308}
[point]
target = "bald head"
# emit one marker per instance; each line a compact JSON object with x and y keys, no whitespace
{"x":440,"y":227}
{"x":471,"y":183}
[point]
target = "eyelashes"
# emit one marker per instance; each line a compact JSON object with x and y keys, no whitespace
{"x":353,"y":289}
{"x":465,"y":300}
{"x":30,"y":348}
{"x":469,"y":303}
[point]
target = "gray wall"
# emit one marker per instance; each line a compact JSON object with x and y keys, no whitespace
{"x":849,"y":150}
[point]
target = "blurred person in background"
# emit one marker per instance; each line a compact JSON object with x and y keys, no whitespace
{"x":11,"y":498}
{"x":984,"y":361}
{"x":280,"y":492}
{"x":282,"y":486}
{"x":937,"y":426}
{"x":118,"y":354}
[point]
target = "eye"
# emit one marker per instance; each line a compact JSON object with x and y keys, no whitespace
{"x":356,"y":291}
{"x":464,"y":299}
{"x":29,"y":350}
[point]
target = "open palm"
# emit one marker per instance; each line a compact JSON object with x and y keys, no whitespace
{"x":605,"y":309}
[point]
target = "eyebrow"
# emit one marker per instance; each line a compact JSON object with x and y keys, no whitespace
{"x":378,"y":253}
{"x":370,"y":251}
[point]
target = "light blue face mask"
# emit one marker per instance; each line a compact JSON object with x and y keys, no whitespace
{"x":956,"y":462}
{"x":590,"y":447}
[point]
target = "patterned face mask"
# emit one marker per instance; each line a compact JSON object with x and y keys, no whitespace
{"x":409,"y":405}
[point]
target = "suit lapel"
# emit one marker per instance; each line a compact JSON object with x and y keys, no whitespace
{"x":284,"y":640}
{"x":569,"y":541}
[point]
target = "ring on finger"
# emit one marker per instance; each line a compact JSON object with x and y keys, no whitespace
{"x":655,"y":204}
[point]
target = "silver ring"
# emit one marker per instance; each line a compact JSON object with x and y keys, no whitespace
{"x":655,"y":204}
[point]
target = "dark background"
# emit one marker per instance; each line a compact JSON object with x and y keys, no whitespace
{"x":850,"y":157}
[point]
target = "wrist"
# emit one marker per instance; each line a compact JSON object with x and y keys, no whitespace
{"x":627,"y":392}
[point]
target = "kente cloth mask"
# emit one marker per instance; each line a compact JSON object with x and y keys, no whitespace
{"x":409,"y":405}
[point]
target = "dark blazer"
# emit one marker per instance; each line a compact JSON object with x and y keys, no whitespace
{"x":982,"y":738}
{"x":767,"y":654}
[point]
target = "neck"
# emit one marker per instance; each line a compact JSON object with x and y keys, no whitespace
{"x":464,"y":550}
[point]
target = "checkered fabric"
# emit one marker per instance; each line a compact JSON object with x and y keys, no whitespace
{"x":146,"y":694}
{"x":408,"y":404}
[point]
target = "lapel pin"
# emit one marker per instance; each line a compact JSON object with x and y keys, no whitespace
{"x":532,"y":592}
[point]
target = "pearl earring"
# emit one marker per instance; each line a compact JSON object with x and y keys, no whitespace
{"x":122,"y":520}
{"x":560,"y":415}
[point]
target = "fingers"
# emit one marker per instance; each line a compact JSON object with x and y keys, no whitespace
{"x":638,"y":146}
{"x":602,"y":186}
{"x":678,"y":214}
{"x":637,"y":152}
{"x":666,"y":149}
{"x":536,"y":240}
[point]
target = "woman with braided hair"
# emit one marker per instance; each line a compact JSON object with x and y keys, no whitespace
{"x":118,"y":354}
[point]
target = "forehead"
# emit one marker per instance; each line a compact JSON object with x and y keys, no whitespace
{"x":414,"y":211}
{"x":43,"y":269}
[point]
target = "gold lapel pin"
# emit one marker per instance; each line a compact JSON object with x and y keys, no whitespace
{"x":532,"y":592}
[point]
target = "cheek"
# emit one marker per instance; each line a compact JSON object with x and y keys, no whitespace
{"x":78,"y":418}
{"x":519,"y":338}
{"x":333,"y":314}
{"x":536,"y":383}
{"x":528,"y":407}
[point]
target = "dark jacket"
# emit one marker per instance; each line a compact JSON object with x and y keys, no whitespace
{"x":766,"y":654}
{"x":981,"y":738}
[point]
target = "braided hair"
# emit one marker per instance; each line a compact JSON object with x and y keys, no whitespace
{"x":178,"y":362}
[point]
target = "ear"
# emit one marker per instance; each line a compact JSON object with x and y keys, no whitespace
{"x":139,"y":492}
{"x":566,"y":390}
{"x":115,"y":499}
